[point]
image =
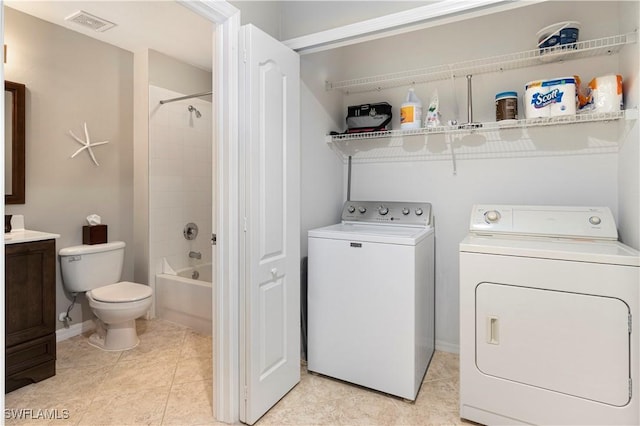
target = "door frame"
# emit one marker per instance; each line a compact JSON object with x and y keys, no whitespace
{"x":226,"y":295}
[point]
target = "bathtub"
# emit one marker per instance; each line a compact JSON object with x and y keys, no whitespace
{"x":184,"y":300}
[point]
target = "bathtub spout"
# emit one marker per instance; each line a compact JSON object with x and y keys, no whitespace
{"x":195,"y":255}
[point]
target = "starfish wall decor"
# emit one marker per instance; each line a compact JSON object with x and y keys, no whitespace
{"x":86,"y":144}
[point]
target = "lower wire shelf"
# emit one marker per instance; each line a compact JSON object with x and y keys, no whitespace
{"x":504,"y":139}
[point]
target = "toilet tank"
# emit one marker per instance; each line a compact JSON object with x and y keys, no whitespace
{"x":87,"y":267}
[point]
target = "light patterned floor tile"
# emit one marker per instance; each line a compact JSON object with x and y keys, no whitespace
{"x":128,"y":407}
{"x":77,"y":352}
{"x":165,"y":345}
{"x":61,"y":409}
{"x":444,"y":365}
{"x":190,"y":404}
{"x":156,"y":325}
{"x":167,"y":380}
{"x":193,"y":370}
{"x":142,"y":374}
{"x":196,"y":345}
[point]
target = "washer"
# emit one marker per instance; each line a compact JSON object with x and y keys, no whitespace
{"x":549,"y":318}
{"x":371,"y":293}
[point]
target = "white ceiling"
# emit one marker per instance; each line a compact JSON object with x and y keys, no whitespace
{"x":161,"y":25}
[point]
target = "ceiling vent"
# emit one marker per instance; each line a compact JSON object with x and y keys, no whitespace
{"x":90,"y":21}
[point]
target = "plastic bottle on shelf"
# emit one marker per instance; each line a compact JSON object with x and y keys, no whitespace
{"x":411,"y":112}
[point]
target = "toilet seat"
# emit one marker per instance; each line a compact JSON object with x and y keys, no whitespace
{"x":121,"y":292}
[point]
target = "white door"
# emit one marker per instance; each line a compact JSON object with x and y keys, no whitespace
{"x":270,"y":291}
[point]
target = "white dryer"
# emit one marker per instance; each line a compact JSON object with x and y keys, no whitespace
{"x":371,"y":296}
{"x":549,"y":318}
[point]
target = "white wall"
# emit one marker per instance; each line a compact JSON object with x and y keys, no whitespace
{"x":563,"y":168}
{"x":72,"y":79}
{"x":265,"y":15}
{"x":170,"y":73}
{"x":306,"y":17}
{"x":321,"y":171}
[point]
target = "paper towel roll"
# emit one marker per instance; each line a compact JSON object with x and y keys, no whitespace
{"x":607,"y":93}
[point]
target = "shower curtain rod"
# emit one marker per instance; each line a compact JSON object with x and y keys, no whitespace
{"x":197,"y":95}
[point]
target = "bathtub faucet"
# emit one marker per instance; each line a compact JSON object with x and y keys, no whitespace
{"x":195,"y":255}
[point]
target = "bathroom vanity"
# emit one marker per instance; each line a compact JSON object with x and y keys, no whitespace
{"x":30,"y":303}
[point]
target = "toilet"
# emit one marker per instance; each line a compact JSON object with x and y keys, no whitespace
{"x":96,"y":271}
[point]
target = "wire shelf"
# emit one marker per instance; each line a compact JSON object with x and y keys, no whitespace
{"x":485,"y":140}
{"x":583,"y":49}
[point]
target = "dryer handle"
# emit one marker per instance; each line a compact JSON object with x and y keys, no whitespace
{"x":493,"y":330}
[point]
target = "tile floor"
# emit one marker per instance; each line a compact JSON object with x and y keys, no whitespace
{"x":167,"y":380}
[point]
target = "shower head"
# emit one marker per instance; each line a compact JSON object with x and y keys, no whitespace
{"x":191,"y":108}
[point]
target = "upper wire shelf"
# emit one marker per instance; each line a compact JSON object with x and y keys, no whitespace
{"x":582,"y":49}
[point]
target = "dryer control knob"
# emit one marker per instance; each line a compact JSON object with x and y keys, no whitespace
{"x":595,"y":220}
{"x":492,"y":216}
{"x":351,"y":209}
{"x":405,"y":211}
{"x":383,"y":210}
{"x":362,"y":209}
{"x":419,"y":212}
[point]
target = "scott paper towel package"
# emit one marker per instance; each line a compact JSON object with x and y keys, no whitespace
{"x":550,"y":98}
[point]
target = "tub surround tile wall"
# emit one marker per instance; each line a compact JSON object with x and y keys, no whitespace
{"x":180,"y":186}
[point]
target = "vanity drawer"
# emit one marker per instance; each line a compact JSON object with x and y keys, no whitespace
{"x":29,"y":376}
{"x":27,"y":355}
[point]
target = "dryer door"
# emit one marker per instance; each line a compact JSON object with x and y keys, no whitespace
{"x":571,"y":343}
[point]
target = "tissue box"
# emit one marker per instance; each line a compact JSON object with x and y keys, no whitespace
{"x":94,"y":234}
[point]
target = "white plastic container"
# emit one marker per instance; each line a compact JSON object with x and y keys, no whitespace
{"x":411,"y":112}
{"x":550,"y":98}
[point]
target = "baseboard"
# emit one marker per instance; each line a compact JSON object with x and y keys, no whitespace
{"x":74,"y":330}
{"x":447,"y":347}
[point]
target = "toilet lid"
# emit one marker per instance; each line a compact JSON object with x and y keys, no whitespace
{"x":121,"y":292}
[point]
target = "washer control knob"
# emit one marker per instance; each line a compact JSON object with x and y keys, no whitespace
{"x":419,"y":211}
{"x":405,"y":211}
{"x":595,"y":220}
{"x":492,"y":216}
{"x":362,"y":209}
{"x":383,"y":210}
{"x":351,"y":209}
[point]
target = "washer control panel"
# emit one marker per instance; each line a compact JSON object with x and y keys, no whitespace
{"x":392,"y":212}
{"x":549,"y":221}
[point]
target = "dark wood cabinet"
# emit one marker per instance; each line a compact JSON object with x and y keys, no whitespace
{"x":30,"y":304}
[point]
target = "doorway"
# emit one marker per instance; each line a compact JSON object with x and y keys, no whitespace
{"x":225,"y":18}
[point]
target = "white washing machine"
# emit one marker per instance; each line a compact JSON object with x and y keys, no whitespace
{"x":371,"y":296}
{"x":549,"y":318}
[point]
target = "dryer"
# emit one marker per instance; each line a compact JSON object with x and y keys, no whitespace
{"x":549,"y":318}
{"x":371,"y":296}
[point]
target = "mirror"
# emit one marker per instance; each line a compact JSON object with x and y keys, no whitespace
{"x":14,"y":142}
